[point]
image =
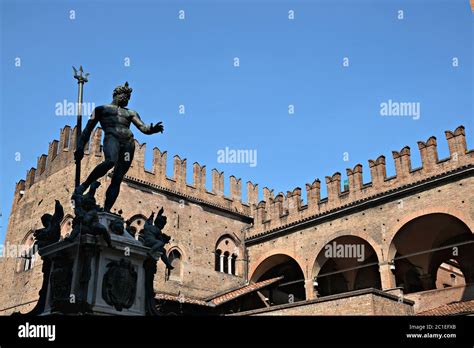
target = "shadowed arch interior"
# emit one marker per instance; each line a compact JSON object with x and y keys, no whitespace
{"x":346,"y":263}
{"x":425,"y":243}
{"x":290,"y":288}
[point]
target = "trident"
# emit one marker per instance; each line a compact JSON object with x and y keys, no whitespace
{"x":80,"y":82}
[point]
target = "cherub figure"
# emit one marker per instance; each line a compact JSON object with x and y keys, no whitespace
{"x":51,"y":231}
{"x":152,"y":236}
{"x":86,"y":220}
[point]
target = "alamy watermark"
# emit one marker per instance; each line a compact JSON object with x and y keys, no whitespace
{"x":68,"y":108}
{"x":403,"y":109}
{"x":16,"y":250}
{"x":37,"y":331}
{"x":335,"y":250}
{"x":245,"y":156}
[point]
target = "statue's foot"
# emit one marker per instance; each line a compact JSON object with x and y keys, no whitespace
{"x":170,"y":267}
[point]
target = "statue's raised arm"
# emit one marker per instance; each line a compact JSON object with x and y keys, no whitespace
{"x":146,"y":129}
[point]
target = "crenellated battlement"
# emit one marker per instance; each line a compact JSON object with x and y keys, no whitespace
{"x":282,"y":210}
{"x":272,"y":211}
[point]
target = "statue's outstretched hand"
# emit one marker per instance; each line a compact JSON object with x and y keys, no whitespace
{"x":157,"y":128}
{"x":79,"y":154}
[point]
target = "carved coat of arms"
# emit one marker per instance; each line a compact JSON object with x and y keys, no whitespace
{"x":119,"y":285}
{"x":61,"y":277}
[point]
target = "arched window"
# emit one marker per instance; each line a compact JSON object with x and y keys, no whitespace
{"x":28,"y":254}
{"x":175,"y":260}
{"x":226,"y":255}
{"x":66,"y":226}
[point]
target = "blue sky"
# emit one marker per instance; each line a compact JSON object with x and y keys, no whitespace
{"x":283,"y":62}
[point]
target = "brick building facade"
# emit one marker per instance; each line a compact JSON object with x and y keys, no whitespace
{"x":410,"y":234}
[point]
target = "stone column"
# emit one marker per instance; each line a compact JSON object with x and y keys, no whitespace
{"x":311,"y":293}
{"x":387,"y":277}
{"x":221,"y":264}
{"x":229,"y":264}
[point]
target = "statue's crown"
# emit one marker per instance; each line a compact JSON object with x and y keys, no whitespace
{"x":123,"y":89}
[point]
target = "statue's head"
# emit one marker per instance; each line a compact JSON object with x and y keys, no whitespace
{"x":122,"y":95}
{"x":46,"y":219}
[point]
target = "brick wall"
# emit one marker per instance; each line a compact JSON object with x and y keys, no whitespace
{"x":361,"y":302}
{"x":430,"y":299}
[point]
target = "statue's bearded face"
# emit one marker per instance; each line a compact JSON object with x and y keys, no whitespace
{"x":122,"y":94}
{"x":122,"y":99}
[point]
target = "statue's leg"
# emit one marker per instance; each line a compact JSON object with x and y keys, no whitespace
{"x":165,"y":259}
{"x":111,"y":150}
{"x":124,"y":162}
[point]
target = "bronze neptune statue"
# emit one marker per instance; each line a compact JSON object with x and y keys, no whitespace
{"x":118,"y":146}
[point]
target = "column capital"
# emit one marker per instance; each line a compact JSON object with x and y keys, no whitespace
{"x":311,"y":292}
{"x":387,"y":277}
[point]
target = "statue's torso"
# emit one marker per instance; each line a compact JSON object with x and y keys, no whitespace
{"x":115,"y":121}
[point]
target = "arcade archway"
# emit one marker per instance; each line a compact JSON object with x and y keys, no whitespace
{"x":346,"y":263}
{"x":290,"y":288}
{"x":424,"y":248}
